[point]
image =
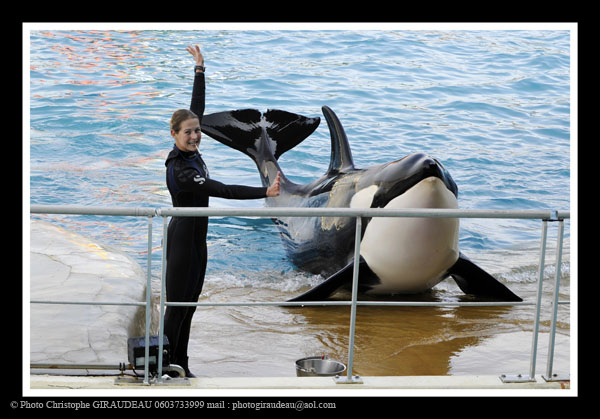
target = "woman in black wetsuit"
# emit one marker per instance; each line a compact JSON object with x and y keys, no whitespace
{"x":190,"y":186}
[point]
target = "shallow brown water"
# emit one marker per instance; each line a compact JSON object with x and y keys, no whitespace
{"x":267,"y":340}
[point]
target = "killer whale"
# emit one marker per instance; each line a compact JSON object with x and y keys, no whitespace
{"x":398,"y":255}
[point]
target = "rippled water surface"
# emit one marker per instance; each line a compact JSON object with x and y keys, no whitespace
{"x":493,"y":106}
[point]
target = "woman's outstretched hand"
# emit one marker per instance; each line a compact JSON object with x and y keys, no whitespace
{"x":195,"y":51}
{"x":274,"y":189}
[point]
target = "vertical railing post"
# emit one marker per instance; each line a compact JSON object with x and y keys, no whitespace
{"x":349,"y":377}
{"x":538,"y":301}
{"x":161,"y":324}
{"x":559,"y":247}
{"x":534,"y":341}
{"x":148,"y":304}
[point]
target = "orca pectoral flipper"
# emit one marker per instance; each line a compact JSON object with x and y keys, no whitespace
{"x":471,"y":279}
{"x":342,"y":277}
{"x":329,"y":286}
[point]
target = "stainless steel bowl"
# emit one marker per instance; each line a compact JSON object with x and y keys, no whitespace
{"x":317,"y":366}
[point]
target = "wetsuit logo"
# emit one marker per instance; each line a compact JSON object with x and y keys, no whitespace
{"x":199,"y":179}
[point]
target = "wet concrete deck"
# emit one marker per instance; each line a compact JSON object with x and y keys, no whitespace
{"x":295,"y":383}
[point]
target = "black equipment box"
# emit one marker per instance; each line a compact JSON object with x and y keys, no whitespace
{"x":136,"y":351}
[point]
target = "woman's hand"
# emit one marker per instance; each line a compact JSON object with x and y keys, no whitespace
{"x":195,"y":51}
{"x":273,"y":190}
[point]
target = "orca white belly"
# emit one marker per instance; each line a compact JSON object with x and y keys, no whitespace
{"x":411,"y":255}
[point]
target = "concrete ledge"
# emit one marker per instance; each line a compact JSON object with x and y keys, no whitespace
{"x":65,"y":266}
{"x":295,"y":383}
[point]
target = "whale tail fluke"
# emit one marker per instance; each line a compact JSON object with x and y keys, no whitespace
{"x":262,"y":137}
{"x":259,"y":135}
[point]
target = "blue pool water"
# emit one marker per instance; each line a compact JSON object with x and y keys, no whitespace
{"x":493,"y":106}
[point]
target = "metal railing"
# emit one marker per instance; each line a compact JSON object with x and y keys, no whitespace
{"x":544,"y":215}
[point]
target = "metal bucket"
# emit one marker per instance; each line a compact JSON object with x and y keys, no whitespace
{"x":318,"y":366}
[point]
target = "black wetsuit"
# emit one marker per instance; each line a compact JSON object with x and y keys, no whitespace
{"x":190,"y":186}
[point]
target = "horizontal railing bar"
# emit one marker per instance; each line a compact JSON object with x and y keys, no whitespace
{"x":358,"y":212}
{"x":362,"y":303}
{"x":55,"y":366}
{"x":90,"y":303}
{"x":297,"y":212}
{"x":301,"y":303}
{"x":259,"y":303}
{"x":92,"y":210}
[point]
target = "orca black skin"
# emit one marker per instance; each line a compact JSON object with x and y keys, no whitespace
{"x":325,"y":245}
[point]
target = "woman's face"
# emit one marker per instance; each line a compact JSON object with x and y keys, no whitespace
{"x":188,"y":137}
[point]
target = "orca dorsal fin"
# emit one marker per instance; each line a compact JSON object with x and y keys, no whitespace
{"x":341,"y":155}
